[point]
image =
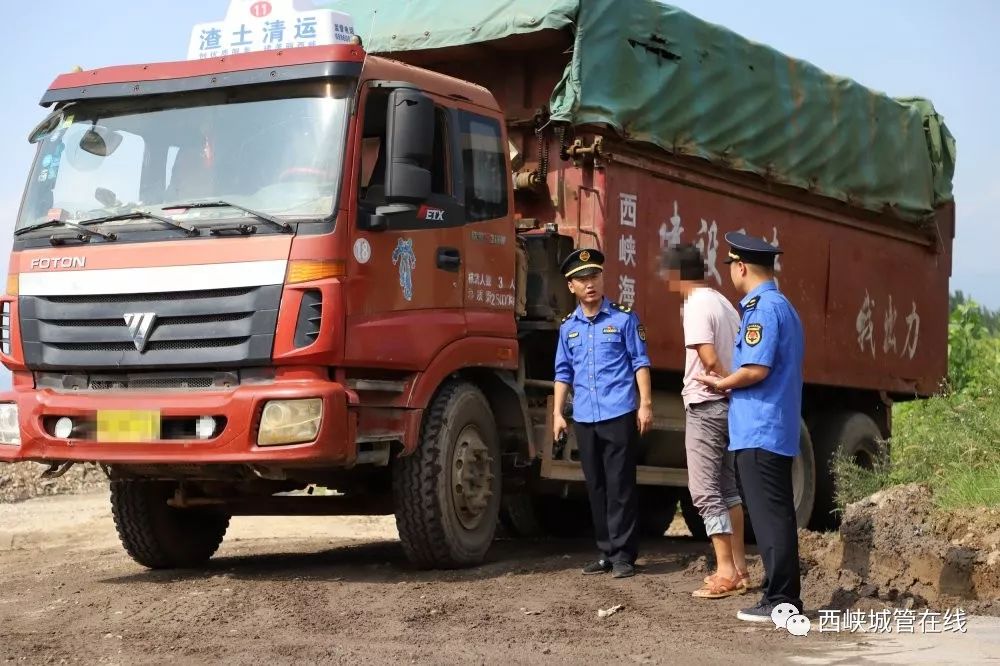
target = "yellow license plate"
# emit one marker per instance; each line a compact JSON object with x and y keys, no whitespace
{"x":127,"y":425}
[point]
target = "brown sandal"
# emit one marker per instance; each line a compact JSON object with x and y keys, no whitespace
{"x":744,"y":578}
{"x":719,"y":588}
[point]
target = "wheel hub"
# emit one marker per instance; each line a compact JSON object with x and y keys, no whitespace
{"x":471,"y":477}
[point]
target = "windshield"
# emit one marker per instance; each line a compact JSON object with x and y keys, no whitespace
{"x":276,"y":149}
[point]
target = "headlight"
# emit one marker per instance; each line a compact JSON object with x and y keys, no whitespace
{"x":290,"y":421}
{"x":10,"y":431}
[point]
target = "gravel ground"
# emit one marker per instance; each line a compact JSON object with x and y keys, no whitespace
{"x":339,"y":590}
{"x":21,"y":481}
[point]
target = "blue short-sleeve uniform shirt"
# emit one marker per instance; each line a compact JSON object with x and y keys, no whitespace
{"x":767,"y":414}
{"x":599,"y":358}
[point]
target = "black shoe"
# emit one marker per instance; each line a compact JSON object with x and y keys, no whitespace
{"x":759,"y":613}
{"x":622,"y":570}
{"x":601,"y":566}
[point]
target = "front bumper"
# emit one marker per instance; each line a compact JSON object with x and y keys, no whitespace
{"x":335,"y":445}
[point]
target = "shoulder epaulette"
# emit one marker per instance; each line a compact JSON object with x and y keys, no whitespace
{"x":623,"y":308}
{"x":566,"y":318}
{"x":752,"y":303}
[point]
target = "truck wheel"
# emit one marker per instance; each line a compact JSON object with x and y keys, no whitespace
{"x":692,"y":518}
{"x":803,"y":485}
{"x":536,"y":516}
{"x":804,"y":478}
{"x":657,"y":508}
{"x":855,"y":435}
{"x":565,"y":518}
{"x":519,"y":515}
{"x":696,"y":525}
{"x":159,"y":536}
{"x":447,"y":492}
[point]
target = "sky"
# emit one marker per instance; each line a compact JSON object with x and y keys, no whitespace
{"x":941,"y":51}
{"x":927,"y":48}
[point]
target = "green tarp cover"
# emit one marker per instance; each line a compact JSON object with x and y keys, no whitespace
{"x":660,"y":75}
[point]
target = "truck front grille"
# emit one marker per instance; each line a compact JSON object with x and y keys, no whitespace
{"x":210,"y":328}
{"x":152,"y":346}
{"x":149,"y":298}
{"x":182,"y":379}
{"x":187,"y":384}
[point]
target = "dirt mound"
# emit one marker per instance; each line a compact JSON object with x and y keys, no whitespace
{"x":896,"y":549}
{"x":21,"y":481}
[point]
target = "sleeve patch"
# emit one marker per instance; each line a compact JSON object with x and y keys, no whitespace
{"x":753,"y":334}
{"x":642,"y":332}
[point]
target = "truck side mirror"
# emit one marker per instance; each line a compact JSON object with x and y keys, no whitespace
{"x":410,"y":149}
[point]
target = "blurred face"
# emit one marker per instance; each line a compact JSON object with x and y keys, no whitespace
{"x":672,"y":279}
{"x":588,"y":290}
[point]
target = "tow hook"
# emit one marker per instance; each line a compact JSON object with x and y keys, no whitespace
{"x":56,"y":470}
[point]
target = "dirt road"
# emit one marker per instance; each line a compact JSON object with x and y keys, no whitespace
{"x":322,"y":590}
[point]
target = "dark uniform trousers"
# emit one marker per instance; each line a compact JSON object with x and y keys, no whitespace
{"x":766,"y":479}
{"x":608,"y":455}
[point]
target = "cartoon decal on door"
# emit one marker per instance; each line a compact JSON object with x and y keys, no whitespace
{"x":403,"y":257}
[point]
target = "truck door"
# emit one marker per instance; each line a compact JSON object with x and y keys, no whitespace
{"x":489,"y":233}
{"x":406,"y":282}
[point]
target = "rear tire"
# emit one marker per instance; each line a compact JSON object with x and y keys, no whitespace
{"x":519,"y":516}
{"x":692,"y":518}
{"x":803,"y":486}
{"x":159,"y":536}
{"x":565,"y":518}
{"x":853,"y":434}
{"x":537,"y":516}
{"x":657,"y":508}
{"x":804,"y":478}
{"x":447,"y":492}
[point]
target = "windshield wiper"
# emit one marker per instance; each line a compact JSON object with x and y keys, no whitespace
{"x":265,"y":217}
{"x":241,"y":229}
{"x":139,"y":215}
{"x":82,"y":230}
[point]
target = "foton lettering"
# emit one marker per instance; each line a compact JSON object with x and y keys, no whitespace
{"x":57,"y":263}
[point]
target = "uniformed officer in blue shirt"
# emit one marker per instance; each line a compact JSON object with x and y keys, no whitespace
{"x":764,"y":416}
{"x":602,"y":355}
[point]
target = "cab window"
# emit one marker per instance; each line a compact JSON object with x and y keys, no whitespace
{"x":373,"y":152}
{"x":484,"y":167}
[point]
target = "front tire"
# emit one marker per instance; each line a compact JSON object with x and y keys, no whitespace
{"x":447,"y":492}
{"x":157,"y":535}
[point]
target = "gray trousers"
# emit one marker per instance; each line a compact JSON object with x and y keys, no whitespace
{"x":711,"y":472}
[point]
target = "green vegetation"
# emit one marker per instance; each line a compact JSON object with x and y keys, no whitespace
{"x":950,"y":442}
{"x":988,"y":318}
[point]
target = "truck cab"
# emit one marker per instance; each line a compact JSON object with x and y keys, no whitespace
{"x":240,"y":276}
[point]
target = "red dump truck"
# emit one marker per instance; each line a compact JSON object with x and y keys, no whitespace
{"x":287,"y":262}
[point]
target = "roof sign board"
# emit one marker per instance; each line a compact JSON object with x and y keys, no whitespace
{"x":269,"y":25}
